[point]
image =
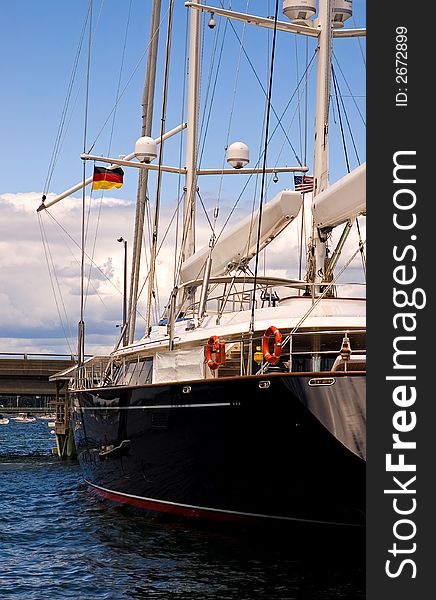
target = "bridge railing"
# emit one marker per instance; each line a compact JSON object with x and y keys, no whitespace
{"x":36,"y":355}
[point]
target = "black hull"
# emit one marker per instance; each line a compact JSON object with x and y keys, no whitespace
{"x":238,"y":449}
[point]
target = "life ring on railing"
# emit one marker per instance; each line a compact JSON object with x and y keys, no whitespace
{"x":273,"y":358}
{"x":215,"y":345}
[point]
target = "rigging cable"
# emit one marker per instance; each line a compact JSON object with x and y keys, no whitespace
{"x":353,"y":96}
{"x":344,"y":143}
{"x":102,"y":193}
{"x":97,"y":226}
{"x":291,"y":121}
{"x":337,"y":93}
{"x":81,"y":327}
{"x":57,"y":143}
{"x":303,"y":232}
{"x":360,"y":43}
{"x":123,"y":91}
{"x":232,"y":107}
{"x":52,"y":273}
{"x":206,"y":119}
{"x":181,"y":145}
{"x":327,"y":288}
{"x":46,"y":187}
{"x":47,"y":211}
{"x":164,"y":237}
{"x":263,"y":89}
{"x":262,"y":191}
{"x":260,"y":158}
{"x":152,"y":270}
{"x":350,"y":131}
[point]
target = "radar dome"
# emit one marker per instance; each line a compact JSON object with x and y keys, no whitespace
{"x":342,"y":10}
{"x":299,"y":10}
{"x":145,"y":149}
{"x":238,"y":155}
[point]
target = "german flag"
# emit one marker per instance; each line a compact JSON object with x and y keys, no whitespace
{"x":105,"y":179}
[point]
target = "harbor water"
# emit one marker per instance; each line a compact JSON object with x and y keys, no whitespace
{"x":58,"y":541}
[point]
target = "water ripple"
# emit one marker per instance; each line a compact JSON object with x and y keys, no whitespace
{"x":59,"y":542}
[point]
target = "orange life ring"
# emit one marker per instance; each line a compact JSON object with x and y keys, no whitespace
{"x":214,"y":345}
{"x":273,"y":358}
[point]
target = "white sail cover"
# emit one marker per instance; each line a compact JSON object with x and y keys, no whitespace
{"x":344,"y":200}
{"x":178,"y":365}
{"x":238,"y":245}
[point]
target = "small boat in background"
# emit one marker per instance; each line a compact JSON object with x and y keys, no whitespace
{"x":51,"y":423}
{"x":48,"y":417}
{"x":24,"y":418}
{"x":3,"y":420}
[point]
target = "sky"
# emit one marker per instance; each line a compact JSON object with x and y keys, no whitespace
{"x":39,"y":252}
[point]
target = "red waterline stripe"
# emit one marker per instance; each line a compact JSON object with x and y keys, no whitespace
{"x":202,"y":513}
{"x":193,"y":513}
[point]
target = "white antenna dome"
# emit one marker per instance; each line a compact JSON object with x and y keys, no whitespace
{"x":342,"y":10}
{"x":238,"y":155}
{"x":145,"y":149}
{"x":299,"y":10}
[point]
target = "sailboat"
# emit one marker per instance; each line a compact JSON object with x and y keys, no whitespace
{"x":245,"y":402}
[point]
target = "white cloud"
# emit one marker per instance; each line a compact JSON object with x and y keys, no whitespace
{"x":38,"y":309}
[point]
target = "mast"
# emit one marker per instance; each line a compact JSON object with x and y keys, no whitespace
{"x":188,"y":247}
{"x":147,"y":121}
{"x":320,"y":171}
{"x":154,"y":245}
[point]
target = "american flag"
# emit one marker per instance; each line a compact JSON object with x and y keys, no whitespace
{"x":303,"y":183}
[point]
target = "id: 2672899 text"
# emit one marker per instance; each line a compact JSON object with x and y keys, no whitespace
{"x":401,"y":66}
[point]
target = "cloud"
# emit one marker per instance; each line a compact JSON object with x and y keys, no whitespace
{"x":40,"y":271}
{"x":40,"y":264}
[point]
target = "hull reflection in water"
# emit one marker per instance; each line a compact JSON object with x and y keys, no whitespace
{"x":277,"y":448}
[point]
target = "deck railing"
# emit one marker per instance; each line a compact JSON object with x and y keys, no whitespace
{"x":137,"y":370}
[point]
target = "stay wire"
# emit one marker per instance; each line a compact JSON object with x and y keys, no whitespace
{"x":353,"y":96}
{"x":47,"y":212}
{"x":100,"y":206}
{"x":155,"y":231}
{"x":55,"y":289}
{"x":57,"y":142}
{"x":350,"y":131}
{"x":291,"y":121}
{"x":361,"y":248}
{"x":303,"y":212}
{"x":259,"y":229}
{"x":85,"y":131}
{"x":360,"y":44}
{"x":300,"y":129}
{"x":337,"y":93}
{"x":232,"y":108}
{"x":210,"y":88}
{"x":123,"y":91}
{"x":263,"y":89}
{"x":344,"y":143}
{"x":74,"y":257}
{"x":312,"y":307}
{"x":179,"y":178}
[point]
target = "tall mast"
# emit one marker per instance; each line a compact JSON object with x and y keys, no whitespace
{"x":320,"y":170}
{"x":147,"y":122}
{"x":154,"y":243}
{"x":188,"y":247}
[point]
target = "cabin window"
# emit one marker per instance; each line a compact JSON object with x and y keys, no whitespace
{"x":137,"y":372}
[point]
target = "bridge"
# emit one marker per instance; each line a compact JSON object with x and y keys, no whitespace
{"x":28,"y":374}
{"x":31,"y":410}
